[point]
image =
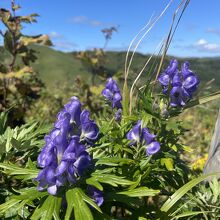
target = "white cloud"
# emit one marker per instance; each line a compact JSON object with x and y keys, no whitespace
{"x":201,"y":42}
{"x":85,"y":20}
{"x":214,"y":31}
{"x":204,"y":46}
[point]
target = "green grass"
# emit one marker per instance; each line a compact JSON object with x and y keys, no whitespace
{"x":59,"y":67}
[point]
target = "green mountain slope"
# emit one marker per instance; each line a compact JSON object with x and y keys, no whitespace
{"x":56,"y":66}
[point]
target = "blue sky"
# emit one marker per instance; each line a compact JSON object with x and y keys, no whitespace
{"x":77,"y":24}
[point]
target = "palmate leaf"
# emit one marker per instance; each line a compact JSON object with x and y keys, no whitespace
{"x":114,"y":161}
{"x":19,"y":172}
{"x":76,"y":201}
{"x":17,"y":202}
{"x":140,"y":192}
{"x":48,"y":209}
{"x":93,"y":182}
{"x":182,"y":191}
{"x":23,"y":138}
{"x":112,"y":180}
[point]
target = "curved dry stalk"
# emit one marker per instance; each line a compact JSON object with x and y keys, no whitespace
{"x":143,"y":36}
{"x":126,"y":59}
{"x":139,"y":75}
{"x":141,"y":39}
{"x":131,"y":43}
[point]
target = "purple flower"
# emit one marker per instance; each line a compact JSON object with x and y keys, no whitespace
{"x":75,"y":160}
{"x":135,"y":134}
{"x":118,"y":114}
{"x":177,"y":96}
{"x":143,"y":136}
{"x":112,"y":85}
{"x":167,"y":76}
{"x":153,"y":148}
{"x":112,"y":93}
{"x":147,"y":136}
{"x":191,"y":80}
{"x":183,"y":84}
{"x":64,"y":158}
{"x":116,"y":102}
{"x":47,"y":155}
{"x":185,"y":70}
{"x":177,"y":81}
{"x":96,"y":195}
{"x":74,"y":109}
{"x":46,"y":177}
{"x":172,"y":68}
{"x":90,"y":130}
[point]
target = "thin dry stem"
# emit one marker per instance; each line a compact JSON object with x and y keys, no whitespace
{"x":141,"y":39}
{"x":139,"y":75}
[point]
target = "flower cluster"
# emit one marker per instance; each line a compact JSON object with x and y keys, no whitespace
{"x":139,"y":135}
{"x":183,"y":83}
{"x":64,"y":157}
{"x":112,"y":93}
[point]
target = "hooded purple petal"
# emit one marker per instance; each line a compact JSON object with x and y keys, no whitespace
{"x":117,"y":100}
{"x":153,"y":148}
{"x":74,"y":109}
{"x":107,"y":94}
{"x":90,"y":129}
{"x":82,"y":163}
{"x":46,"y":156}
{"x":191,"y":83}
{"x":112,"y":85}
{"x":172,"y":68}
{"x":135,"y":133}
{"x":177,"y":97}
{"x":164,"y":79}
{"x":147,"y":136}
{"x":177,"y":81}
{"x":185,"y":70}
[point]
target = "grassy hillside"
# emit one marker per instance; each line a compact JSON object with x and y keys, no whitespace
{"x":58,"y":67}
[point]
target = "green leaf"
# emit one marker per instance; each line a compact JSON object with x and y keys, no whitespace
{"x":114,"y":161}
{"x":168,"y":162}
{"x":89,"y":200}
{"x":19,"y":172}
{"x":182,"y":191}
{"x":140,"y":192}
{"x":189,"y":213}
{"x":48,"y":208}
{"x":18,"y":202}
{"x":112,"y":179}
{"x":75,"y":202}
{"x":93,"y":182}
